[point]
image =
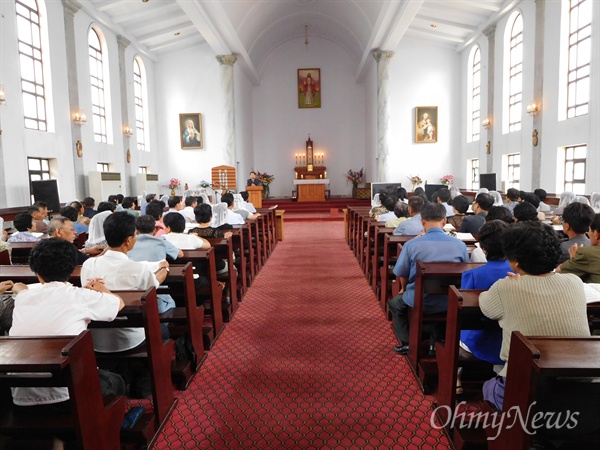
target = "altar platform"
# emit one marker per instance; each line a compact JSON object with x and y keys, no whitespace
{"x":329,"y":210}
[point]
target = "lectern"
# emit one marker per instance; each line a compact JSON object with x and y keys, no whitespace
{"x":255,"y":195}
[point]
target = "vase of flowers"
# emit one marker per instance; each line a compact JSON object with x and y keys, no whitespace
{"x":355,"y":177}
{"x":174,"y":184}
{"x":266,"y":180}
{"x":416,"y":181}
{"x":447,"y":180}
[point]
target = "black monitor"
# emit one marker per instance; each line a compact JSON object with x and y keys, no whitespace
{"x":431,"y":189}
{"x":487,"y":180}
{"x":47,"y":191}
{"x":376,"y":188}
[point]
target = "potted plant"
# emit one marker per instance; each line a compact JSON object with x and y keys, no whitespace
{"x":266,"y":180}
{"x":174,"y":183}
{"x":355,"y":177}
{"x":416,"y":181}
{"x":447,"y":180}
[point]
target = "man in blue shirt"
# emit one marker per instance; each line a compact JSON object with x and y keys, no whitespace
{"x":433,"y":246}
{"x":472,"y":224}
{"x":412,"y":226}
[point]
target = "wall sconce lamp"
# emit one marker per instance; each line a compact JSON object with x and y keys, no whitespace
{"x":127,"y":131}
{"x":79,"y":119}
{"x":486,"y":123}
{"x":2,"y":95}
{"x":532,"y":109}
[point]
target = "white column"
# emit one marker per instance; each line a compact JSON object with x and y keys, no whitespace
{"x":383,"y":112}
{"x":538,"y":93}
{"x":490,"y":33}
{"x":227,"y":62}
{"x":70,"y":7}
{"x":128,"y":172}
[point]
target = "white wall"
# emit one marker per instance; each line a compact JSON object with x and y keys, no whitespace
{"x":281,"y":128}
{"x":424,"y":75}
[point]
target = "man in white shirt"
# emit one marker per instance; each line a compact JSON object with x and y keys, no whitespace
{"x":120,"y":273}
{"x":175,"y":205}
{"x":188,"y":212}
{"x":175,"y":227}
{"x":247,"y":205}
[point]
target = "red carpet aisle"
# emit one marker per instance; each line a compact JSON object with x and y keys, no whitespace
{"x":307,"y":363}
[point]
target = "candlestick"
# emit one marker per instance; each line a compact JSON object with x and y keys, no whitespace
{"x":325,"y":174}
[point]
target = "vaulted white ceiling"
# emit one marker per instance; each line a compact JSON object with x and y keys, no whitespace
{"x":252,"y":29}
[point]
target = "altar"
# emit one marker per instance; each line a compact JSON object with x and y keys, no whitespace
{"x":311,"y":190}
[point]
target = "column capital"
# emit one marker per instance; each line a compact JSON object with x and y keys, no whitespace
{"x":227,"y":60}
{"x":123,"y":42}
{"x":382,"y":54}
{"x":71,"y":6}
{"x":490,"y":31}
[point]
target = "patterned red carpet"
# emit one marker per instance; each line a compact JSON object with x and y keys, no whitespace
{"x":306,"y":363}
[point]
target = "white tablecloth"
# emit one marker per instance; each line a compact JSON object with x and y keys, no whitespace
{"x":316,"y":181}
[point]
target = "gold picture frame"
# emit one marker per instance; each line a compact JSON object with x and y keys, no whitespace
{"x":309,"y":88}
{"x":190,"y":130}
{"x":426,"y":124}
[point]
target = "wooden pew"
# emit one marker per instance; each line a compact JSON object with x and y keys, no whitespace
{"x":20,"y":252}
{"x":204,"y":264}
{"x":237,"y":240}
{"x":392,"y":245}
{"x":141,"y":310}
{"x":533,"y":361}
{"x":249,"y":258}
{"x":70,"y":362}
{"x":254,"y":240}
{"x":367,"y":262}
{"x":377,"y":260}
{"x":187,"y":317}
{"x":224,"y":251}
{"x":431,"y":278}
{"x":4,"y":258}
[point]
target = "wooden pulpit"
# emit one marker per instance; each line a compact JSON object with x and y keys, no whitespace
{"x":255,"y":194}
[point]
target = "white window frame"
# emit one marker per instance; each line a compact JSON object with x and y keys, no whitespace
{"x":474,"y":100}
{"x":578,"y":56}
{"x":570,"y":183}
{"x":514,"y":72}
{"x":141,"y":104}
{"x":473,"y":171}
{"x":97,"y":85}
{"x":43,"y":173}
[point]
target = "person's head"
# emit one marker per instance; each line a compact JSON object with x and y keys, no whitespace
{"x":174,"y":223}
{"x":69,"y":212}
{"x":401,"y":209}
{"x":36,"y":212}
{"x":112,"y":199}
{"x":433,"y":216}
{"x":78,"y":206}
{"x":88,"y":202}
{"x":577,"y":218}
{"x":525,"y":211}
{"x":203,"y":213}
{"x":499,"y":213}
{"x":522,"y":195}
{"x":145,"y":224}
{"x":150,"y":197}
{"x":62,"y":228}
{"x":228,"y":198}
{"x":512,"y":194}
{"x":416,"y":204}
{"x":497,"y":198}
{"x":419,"y":191}
{"x":566,"y":198}
{"x":53,"y":260}
{"x":174,"y":202}
{"x":483,"y":202}
{"x":191,"y":201}
{"x":595,"y":201}
{"x":425,"y":116}
{"x":531,"y":198}
{"x":402,"y":194}
{"x":460,"y":204}
{"x":244,"y":195}
{"x":434,"y":197}
{"x":43,"y":206}
{"x":382,"y":196}
{"x":490,"y":239}
{"x":253,"y":174}
{"x":531,"y":247}
{"x":119,"y":198}
{"x":129,"y":202}
{"x":581,"y":199}
{"x":106,"y":206}
{"x":119,"y":230}
{"x":389,"y":202}
{"x":444,"y":195}
{"x":595,"y":230}
{"x":190,"y":124}
{"x":454,"y":191}
{"x":24,"y":222}
{"x":541,"y":194}
{"x":155,"y":210}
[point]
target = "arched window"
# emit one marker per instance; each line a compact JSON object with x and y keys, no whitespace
{"x":33,"y":88}
{"x":97,"y":84}
{"x":580,"y":53}
{"x":139,"y":92}
{"x":515,"y":73}
{"x":475,"y":92}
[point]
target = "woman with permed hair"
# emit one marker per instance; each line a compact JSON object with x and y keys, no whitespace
{"x":533,"y":300}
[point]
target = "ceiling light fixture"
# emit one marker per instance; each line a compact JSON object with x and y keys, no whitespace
{"x":178,"y":33}
{"x":433,"y":25}
{"x":306,"y":35}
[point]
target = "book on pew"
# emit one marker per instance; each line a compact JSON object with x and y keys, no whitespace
{"x":465,"y":236}
{"x":592,"y":292}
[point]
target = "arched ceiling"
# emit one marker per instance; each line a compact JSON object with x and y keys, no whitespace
{"x":252,"y":29}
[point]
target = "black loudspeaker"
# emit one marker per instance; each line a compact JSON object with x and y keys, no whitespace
{"x":431,"y":189}
{"x":46,"y":191}
{"x":487,"y":180}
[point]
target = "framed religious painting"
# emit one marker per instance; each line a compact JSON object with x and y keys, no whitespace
{"x":309,"y":88}
{"x":190,"y":130}
{"x":426,"y":124}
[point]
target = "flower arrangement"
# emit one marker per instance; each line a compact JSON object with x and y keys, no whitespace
{"x":265,"y":178}
{"x":204,"y":184}
{"x":415,"y":180}
{"x":174,"y":183}
{"x":355,"y":177}
{"x":447,"y":180}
